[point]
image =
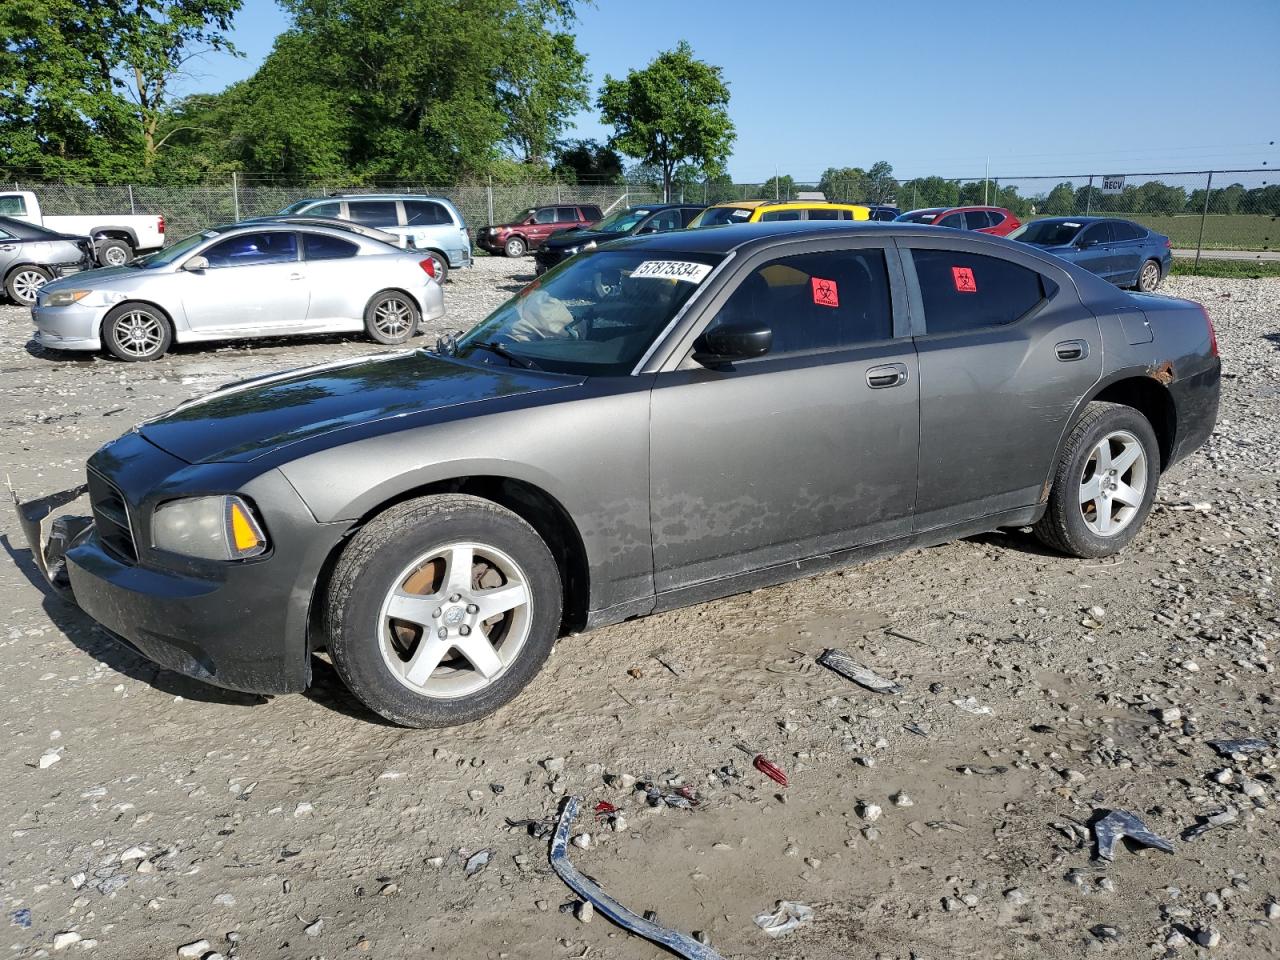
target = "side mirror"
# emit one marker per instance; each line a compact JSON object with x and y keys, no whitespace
{"x":196,"y":264}
{"x":648,"y":228}
{"x":724,"y":345}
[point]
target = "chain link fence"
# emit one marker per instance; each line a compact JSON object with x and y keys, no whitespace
{"x":1200,"y":211}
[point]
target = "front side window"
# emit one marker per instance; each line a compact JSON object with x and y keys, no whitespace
{"x":919,"y":216}
{"x":815,"y":301}
{"x":596,"y":314}
{"x":953,"y":220}
{"x":715,"y":216}
{"x":545,"y":215}
{"x":425,"y":213}
{"x":318,"y":246}
{"x":666,"y":220}
{"x":623,"y":220}
{"x":374,"y":213}
{"x":966,"y":291}
{"x":253,"y":249}
{"x":13,"y":206}
{"x":774,"y":216}
{"x":1047,"y":233}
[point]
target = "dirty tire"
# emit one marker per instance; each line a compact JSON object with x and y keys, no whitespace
{"x":369,"y":567}
{"x":24,"y":283}
{"x":515,"y":247}
{"x":391,"y":317}
{"x":1148,"y":276}
{"x":114,"y":253}
{"x":136,"y":331}
{"x":1063,"y":526}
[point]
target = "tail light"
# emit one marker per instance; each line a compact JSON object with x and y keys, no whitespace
{"x":429,"y":266}
{"x":160,"y":225}
{"x":1168,"y":244}
{"x":1213,"y":336}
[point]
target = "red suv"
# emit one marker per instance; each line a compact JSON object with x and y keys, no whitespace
{"x":996,"y":220}
{"x":528,"y":230}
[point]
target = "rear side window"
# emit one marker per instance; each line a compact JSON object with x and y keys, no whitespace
{"x":566,"y":214}
{"x":687,"y":215}
{"x":771,"y":216}
{"x":316,"y":246}
{"x":815,"y":301}
{"x":954,"y":220}
{"x":965,"y":291}
{"x":590,"y":213}
{"x":425,"y":213}
{"x":825,"y":214}
{"x":374,"y":213}
{"x":1124,"y":230}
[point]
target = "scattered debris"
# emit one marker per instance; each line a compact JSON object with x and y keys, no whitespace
{"x":609,"y":908}
{"x":770,"y":770}
{"x":1229,"y":748}
{"x":786,"y":916}
{"x":538,"y":829}
{"x":972,"y":771}
{"x":847,"y":667}
{"x":904,"y":636}
{"x":971,"y":705}
{"x":1220,"y":818}
{"x":477,"y":862}
{"x":665,"y":658}
{"x":919,"y":729}
{"x":1121,"y":823}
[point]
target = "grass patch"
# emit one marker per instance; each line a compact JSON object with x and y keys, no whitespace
{"x":1239,"y":269}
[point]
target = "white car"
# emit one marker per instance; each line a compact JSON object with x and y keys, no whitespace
{"x":117,"y":237}
{"x":265,"y":278}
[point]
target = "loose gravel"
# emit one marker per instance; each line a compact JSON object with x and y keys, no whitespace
{"x":149,"y":816}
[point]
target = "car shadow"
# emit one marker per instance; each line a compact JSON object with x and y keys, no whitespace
{"x":328,"y":690}
{"x":1274,"y":338}
{"x":1017,"y":539}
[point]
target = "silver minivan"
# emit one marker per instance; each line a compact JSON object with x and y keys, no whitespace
{"x":432,"y":225}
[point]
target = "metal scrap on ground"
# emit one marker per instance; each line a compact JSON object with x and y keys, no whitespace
{"x":610,"y":908}
{"x":1121,"y":823}
{"x":846,"y":666}
{"x":1247,"y":745}
{"x":786,"y":916}
{"x":1220,"y":818}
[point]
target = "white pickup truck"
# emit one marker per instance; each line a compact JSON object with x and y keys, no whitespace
{"x":116,"y":237}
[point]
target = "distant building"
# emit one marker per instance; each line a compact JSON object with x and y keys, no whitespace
{"x":811,"y":195}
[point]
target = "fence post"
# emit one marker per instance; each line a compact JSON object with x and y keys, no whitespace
{"x":1204,"y":213}
{"x":489,"y":194}
{"x":1088,"y":197}
{"x":235,"y":194}
{"x":132,"y":208}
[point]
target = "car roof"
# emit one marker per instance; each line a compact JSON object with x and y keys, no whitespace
{"x":742,"y":204}
{"x":975,"y":206}
{"x":812,"y":205}
{"x":334,"y":223}
{"x":728,"y":237}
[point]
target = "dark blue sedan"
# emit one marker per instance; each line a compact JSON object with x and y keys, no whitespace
{"x":1124,"y":252}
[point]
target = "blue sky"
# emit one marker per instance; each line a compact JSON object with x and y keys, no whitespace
{"x":938,"y":86}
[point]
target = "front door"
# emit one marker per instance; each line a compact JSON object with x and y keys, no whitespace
{"x":808,"y":449}
{"x":1093,"y":249}
{"x":1006,"y":351}
{"x":254,"y":286}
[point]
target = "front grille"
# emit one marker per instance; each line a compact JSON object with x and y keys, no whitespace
{"x":111,"y":516}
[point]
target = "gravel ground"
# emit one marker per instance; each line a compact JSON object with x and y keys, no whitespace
{"x":146,"y":812}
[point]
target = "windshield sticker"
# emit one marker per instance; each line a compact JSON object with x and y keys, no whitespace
{"x":825,"y":292}
{"x":963,"y":277}
{"x":1070,"y":224}
{"x":672,"y":270}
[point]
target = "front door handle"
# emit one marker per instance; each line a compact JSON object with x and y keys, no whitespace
{"x":295,"y":276}
{"x":887,"y":375}
{"x":1069,"y":350}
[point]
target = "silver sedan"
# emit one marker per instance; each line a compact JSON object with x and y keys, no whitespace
{"x":254,"y":279}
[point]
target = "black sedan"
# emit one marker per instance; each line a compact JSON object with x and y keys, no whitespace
{"x":631,"y":222}
{"x":654,"y":423}
{"x":31,"y":256}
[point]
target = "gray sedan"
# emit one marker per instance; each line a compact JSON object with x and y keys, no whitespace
{"x":660,"y":421}
{"x":31,"y":256}
{"x":256,"y":279}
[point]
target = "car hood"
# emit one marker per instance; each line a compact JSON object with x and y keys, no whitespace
{"x":246,"y":420}
{"x":576,"y":235}
{"x":101,"y":277}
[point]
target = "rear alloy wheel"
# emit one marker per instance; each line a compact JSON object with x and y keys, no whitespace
{"x":114,"y":253}
{"x":391,"y":318}
{"x":1105,"y":484}
{"x":515,"y":247}
{"x":1149,"y":276}
{"x":24,"y":284}
{"x":442,"y":609}
{"x":134,"y":332}
{"x":439,"y":265}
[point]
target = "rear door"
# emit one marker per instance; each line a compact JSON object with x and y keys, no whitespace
{"x":338,"y":280}
{"x":810,"y":448}
{"x":1006,"y":349}
{"x":1127,"y":241}
{"x":254,"y":285}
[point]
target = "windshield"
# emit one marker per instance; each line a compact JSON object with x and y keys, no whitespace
{"x":1047,"y":233}
{"x":919,"y":216}
{"x":622,"y":221}
{"x":715,"y":216}
{"x":595,"y":314}
{"x":162,"y":258}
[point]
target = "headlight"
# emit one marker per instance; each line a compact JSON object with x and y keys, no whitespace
{"x":211,"y":528}
{"x":62,"y":298}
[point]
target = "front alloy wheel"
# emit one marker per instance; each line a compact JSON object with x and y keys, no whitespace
{"x":24,"y":284}
{"x":442,"y":609}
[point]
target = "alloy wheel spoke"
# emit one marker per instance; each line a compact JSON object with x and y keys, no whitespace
{"x":425,"y":659}
{"x":1128,"y":457}
{"x":1126,"y":495}
{"x":413,"y":608}
{"x":1090,"y":489}
{"x":457,"y":575}
{"x":500,"y":599}
{"x":1104,"y":515}
{"x":479,"y":653}
{"x":1102,"y":456}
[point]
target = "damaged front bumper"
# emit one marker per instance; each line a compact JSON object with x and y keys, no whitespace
{"x":49,"y":537}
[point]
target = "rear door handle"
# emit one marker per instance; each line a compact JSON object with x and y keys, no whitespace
{"x":886,"y":375}
{"x":295,"y":276}
{"x":1069,"y":350}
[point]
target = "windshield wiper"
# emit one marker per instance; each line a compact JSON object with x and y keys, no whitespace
{"x":514,"y":358}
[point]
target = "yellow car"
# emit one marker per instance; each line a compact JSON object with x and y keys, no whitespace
{"x":766,"y":211}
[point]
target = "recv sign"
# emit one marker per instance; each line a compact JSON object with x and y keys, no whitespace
{"x":1113,"y":184}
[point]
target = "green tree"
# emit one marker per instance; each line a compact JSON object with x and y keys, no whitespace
{"x":778,"y":187}
{"x":928,"y":192}
{"x":542,"y":82}
{"x":672,"y":113}
{"x":1060,"y":202}
{"x":880,"y":184}
{"x":843,"y":184}
{"x":586,"y":161}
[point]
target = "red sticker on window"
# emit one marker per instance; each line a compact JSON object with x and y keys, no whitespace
{"x":963,"y":277}
{"x":825,"y":292}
